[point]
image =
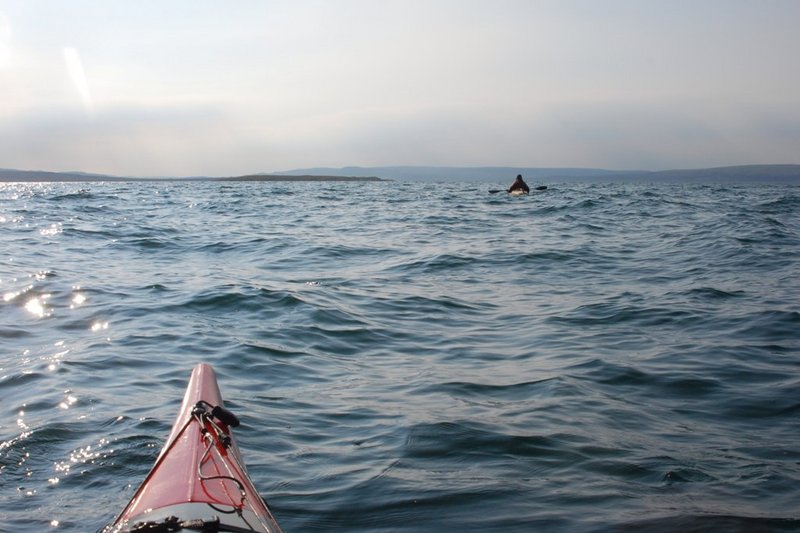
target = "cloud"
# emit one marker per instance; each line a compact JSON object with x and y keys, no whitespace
{"x":271,"y":86}
{"x":216,"y":139}
{"x":618,"y":135}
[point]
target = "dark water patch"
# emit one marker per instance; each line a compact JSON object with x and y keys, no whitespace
{"x":485,"y":264}
{"x":629,"y":471}
{"x":232,"y":299}
{"x":355,"y":341}
{"x":88,"y":211}
{"x":254,"y":353}
{"x":769,"y":453}
{"x":150,"y":243}
{"x":591,"y":229}
{"x":587,"y":204}
{"x":667,"y":384}
{"x":111,"y":363}
{"x":689,"y":386}
{"x":511,"y":392}
{"x":150,"y":339}
{"x":81,"y":194}
{"x":343,"y":252}
{"x":261,"y":245}
{"x":437,"y":263}
{"x":785,"y":204}
{"x":614,"y":314}
{"x":303,"y":369}
{"x":83,"y":234}
{"x":549,"y":259}
{"x":157,"y":288}
{"x":772,"y":325}
{"x":766,"y":407}
{"x":220,"y":247}
{"x":13,"y":333}
{"x":429,"y":510}
{"x":22,"y":379}
{"x":776,"y":223}
{"x":711,"y":293}
{"x":711,"y":523}
{"x":649,"y":471}
{"x":425,"y":307}
{"x":686,"y":475}
{"x":462,"y":441}
{"x":336,"y":320}
{"x":319,"y":258}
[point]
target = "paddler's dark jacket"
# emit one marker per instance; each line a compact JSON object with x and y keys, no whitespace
{"x":519,"y":184}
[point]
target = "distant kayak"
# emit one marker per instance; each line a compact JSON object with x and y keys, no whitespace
{"x":198,"y":482}
{"x":518,"y":192}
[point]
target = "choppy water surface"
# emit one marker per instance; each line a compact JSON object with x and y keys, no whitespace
{"x":410,"y":357}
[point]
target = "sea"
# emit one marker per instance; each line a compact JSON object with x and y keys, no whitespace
{"x":410,"y":357}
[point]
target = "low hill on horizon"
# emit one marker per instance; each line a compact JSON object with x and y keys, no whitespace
{"x":298,"y":177}
{"x":11,"y":175}
{"x":788,"y":173}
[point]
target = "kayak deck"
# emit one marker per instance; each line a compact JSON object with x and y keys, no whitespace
{"x":198,"y":482}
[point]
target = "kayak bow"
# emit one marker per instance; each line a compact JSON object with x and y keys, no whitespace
{"x":199,"y":481}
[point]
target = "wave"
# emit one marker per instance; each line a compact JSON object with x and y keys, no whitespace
{"x":405,"y":358}
{"x":617,"y":314}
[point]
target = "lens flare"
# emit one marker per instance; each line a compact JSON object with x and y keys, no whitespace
{"x":78,"y":75}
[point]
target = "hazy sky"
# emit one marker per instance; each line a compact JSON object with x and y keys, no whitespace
{"x":195,"y":87}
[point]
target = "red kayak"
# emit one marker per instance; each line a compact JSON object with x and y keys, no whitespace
{"x":198,"y":482}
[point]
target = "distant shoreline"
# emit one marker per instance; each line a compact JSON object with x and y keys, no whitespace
{"x":28,"y":176}
{"x":776,"y":173}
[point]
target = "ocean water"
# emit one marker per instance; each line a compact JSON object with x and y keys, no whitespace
{"x":410,"y":357}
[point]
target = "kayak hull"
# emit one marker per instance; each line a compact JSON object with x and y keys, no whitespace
{"x":199,"y":474}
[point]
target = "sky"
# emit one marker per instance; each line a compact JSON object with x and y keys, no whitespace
{"x":163,"y":88}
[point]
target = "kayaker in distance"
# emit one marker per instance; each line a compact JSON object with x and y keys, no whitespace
{"x":519,"y":185}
